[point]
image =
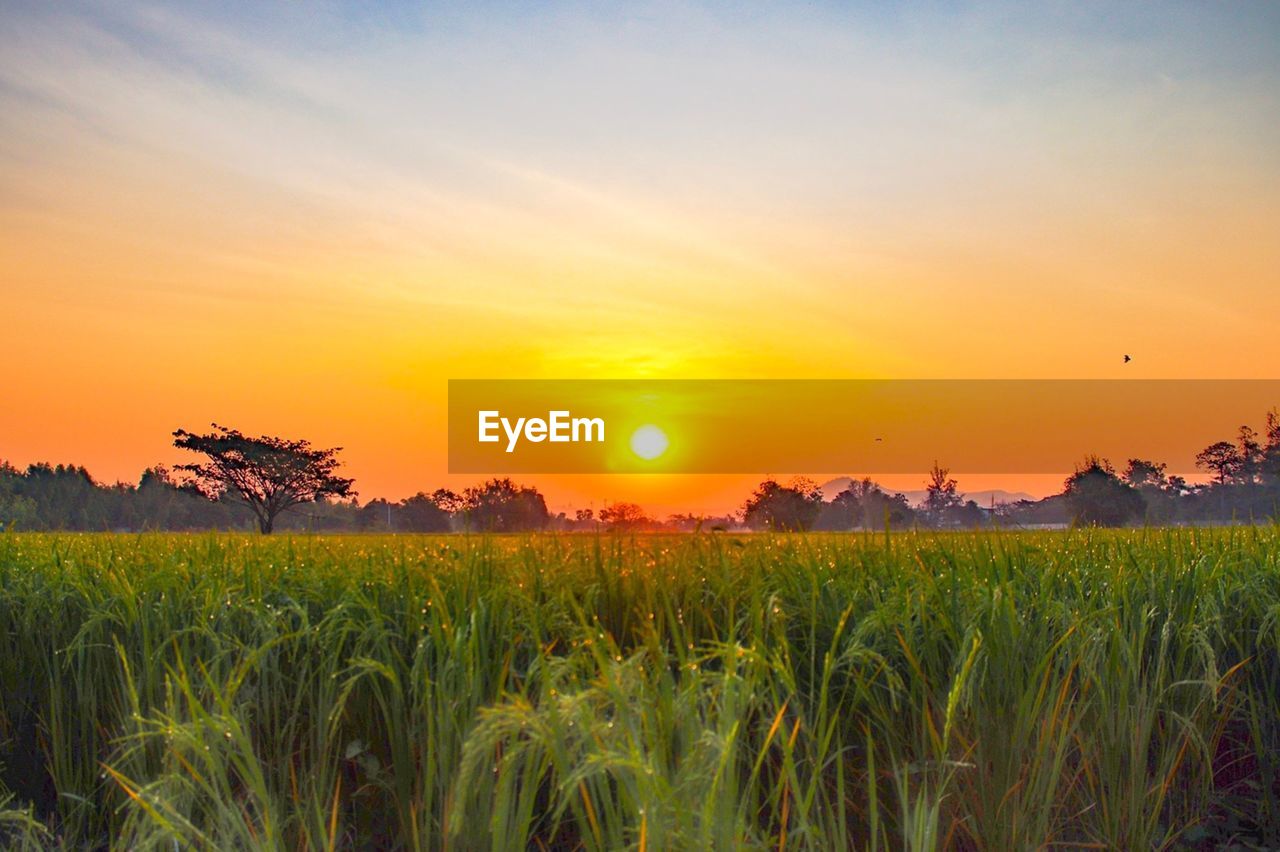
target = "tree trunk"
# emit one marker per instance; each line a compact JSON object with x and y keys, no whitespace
{"x":265,"y":522}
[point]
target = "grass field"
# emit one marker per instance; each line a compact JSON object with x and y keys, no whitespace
{"x":999,"y":691}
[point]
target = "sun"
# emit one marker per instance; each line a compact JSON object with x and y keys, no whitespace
{"x":648,"y":442}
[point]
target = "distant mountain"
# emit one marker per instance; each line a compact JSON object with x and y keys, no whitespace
{"x":915,"y":498}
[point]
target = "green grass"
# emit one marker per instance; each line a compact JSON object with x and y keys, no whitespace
{"x":998,"y":691}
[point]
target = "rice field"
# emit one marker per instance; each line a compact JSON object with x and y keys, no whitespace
{"x":996,"y":690}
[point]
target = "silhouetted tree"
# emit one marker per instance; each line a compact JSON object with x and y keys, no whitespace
{"x":968,"y":514}
{"x":66,"y":497}
{"x":1250,"y":450}
{"x":791,"y":507}
{"x":1270,"y":466}
{"x":880,"y":508}
{"x":17,"y":511}
{"x":1096,"y":496}
{"x":500,"y":505}
{"x":844,"y":511}
{"x":376,"y":516}
{"x":447,"y":500}
{"x":1153,"y":485}
{"x":941,"y":497}
{"x":863,"y":503}
{"x":269,"y":474}
{"x":423,"y":513}
{"x":690,"y":522}
{"x":1223,"y":458}
{"x":160,"y":502}
{"x":1141,"y":473}
{"x":624,"y":516}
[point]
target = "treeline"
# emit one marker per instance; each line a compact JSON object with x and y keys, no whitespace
{"x":1244,"y":486}
{"x":66,"y":497}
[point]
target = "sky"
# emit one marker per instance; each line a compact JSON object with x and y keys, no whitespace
{"x":304,"y":218}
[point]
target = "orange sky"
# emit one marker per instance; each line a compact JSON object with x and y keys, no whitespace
{"x":306,"y":222}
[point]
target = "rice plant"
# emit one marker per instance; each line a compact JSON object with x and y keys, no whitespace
{"x":989,"y":690}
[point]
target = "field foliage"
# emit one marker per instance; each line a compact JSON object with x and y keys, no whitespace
{"x":971,"y":690}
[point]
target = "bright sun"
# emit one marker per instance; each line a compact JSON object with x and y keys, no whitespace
{"x":648,"y":442}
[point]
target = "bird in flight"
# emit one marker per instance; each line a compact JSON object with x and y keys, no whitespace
{"x":1127,"y":359}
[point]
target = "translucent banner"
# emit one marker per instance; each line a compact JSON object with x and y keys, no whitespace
{"x":855,"y":426}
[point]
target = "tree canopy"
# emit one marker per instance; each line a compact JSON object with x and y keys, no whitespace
{"x":501,"y":505}
{"x":1098,"y":497}
{"x":789,"y":508}
{"x":269,"y":474}
{"x":624,"y":516}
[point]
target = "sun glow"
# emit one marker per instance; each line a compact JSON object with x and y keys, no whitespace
{"x":648,"y":442}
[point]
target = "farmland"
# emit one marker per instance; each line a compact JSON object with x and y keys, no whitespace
{"x":993,"y":690}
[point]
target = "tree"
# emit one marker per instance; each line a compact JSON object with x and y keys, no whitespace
{"x":420,"y":513}
{"x":66,"y":497}
{"x":969,"y":514}
{"x":377,"y":515}
{"x":1096,"y":496}
{"x":792,"y":507}
{"x":880,"y":508}
{"x":500,"y":505}
{"x":270,"y":475}
{"x":941,"y":496}
{"x":691,"y":522}
{"x":1146,"y":474}
{"x":1155,"y":487}
{"x":620,"y":516}
{"x":1270,"y":466}
{"x":1251,"y":454}
{"x":161,"y":503}
{"x":423,"y":513}
{"x":447,"y":500}
{"x":16,"y":510}
{"x":846,"y":511}
{"x":1222,"y":458}
{"x":863,"y":503}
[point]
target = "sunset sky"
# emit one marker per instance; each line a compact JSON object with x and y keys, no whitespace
{"x":304,"y":218}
